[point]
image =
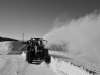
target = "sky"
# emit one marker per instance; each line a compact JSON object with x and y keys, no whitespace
{"x":35,"y":18}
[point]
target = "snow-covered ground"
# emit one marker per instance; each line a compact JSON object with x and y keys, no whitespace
{"x":5,"y":47}
{"x":61,"y":67}
{"x":16,"y":65}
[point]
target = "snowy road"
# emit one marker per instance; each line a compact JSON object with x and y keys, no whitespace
{"x":67,"y":57}
{"x":16,"y":65}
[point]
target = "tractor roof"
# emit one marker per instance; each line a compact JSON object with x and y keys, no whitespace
{"x":37,"y":38}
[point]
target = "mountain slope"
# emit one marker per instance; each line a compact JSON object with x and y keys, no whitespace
{"x":6,"y":39}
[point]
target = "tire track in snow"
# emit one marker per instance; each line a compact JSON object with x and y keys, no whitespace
{"x":6,"y":68}
{"x":23,"y":70}
{"x":19,"y":65}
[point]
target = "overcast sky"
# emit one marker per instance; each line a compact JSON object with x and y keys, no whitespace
{"x":37,"y":17}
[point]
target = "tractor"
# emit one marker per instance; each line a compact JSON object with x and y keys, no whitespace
{"x":36,"y":52}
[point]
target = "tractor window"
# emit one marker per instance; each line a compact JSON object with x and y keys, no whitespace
{"x":39,"y":43}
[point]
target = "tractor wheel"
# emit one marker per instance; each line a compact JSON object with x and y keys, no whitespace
{"x":28,"y":57}
{"x":47,"y":59}
{"x":45,"y":52}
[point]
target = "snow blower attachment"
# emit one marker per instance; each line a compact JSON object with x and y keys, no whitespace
{"x":36,"y":53}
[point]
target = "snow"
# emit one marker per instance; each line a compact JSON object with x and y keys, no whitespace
{"x":16,"y":65}
{"x":5,"y":47}
{"x":23,"y":55}
{"x":61,"y":67}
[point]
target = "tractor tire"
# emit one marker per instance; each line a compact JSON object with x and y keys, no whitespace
{"x":47,"y":59}
{"x":45,"y":52}
{"x":28,"y":57}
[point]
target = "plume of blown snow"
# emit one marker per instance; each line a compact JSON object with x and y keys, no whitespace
{"x":80,"y":38}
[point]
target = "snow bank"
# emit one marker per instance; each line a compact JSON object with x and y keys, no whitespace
{"x":65,"y":67}
{"x":61,"y":67}
{"x":23,"y":55}
{"x":5,"y":47}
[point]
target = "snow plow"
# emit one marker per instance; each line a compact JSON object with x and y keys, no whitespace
{"x":36,"y":52}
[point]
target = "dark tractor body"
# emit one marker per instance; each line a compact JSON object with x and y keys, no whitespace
{"x":36,"y":53}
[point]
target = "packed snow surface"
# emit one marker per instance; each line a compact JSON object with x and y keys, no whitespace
{"x":16,"y":65}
